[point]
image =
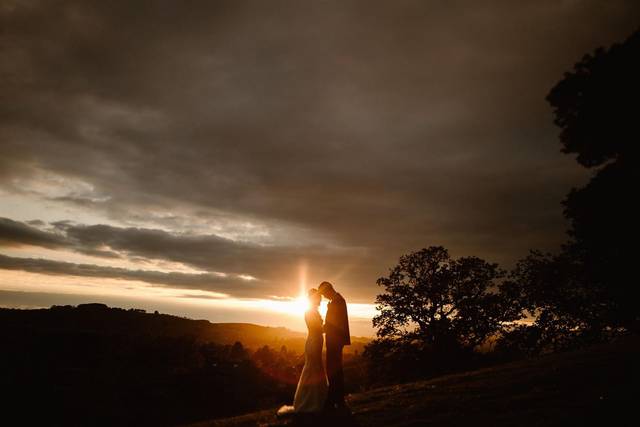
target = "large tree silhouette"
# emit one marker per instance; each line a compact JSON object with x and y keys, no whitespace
{"x":434,"y":300}
{"x":566,"y":313}
{"x":596,"y":108}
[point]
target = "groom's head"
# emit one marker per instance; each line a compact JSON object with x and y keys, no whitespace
{"x":326,"y":290}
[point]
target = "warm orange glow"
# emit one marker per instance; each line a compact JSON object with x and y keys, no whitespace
{"x":295,"y":307}
{"x":299,"y":305}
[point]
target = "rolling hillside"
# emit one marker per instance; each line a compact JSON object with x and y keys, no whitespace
{"x":597,"y":386}
{"x":101,"y":319}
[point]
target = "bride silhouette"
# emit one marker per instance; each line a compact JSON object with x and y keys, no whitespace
{"x":311,"y":392}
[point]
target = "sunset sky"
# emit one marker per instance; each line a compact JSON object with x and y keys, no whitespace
{"x":214,"y":159}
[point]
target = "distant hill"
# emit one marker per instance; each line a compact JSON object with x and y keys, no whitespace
{"x":596,"y":386}
{"x":101,"y":319}
{"x":101,"y":366}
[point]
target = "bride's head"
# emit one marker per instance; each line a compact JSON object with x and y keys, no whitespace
{"x":314,"y":298}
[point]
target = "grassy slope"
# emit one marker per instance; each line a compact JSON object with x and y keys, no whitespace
{"x":596,"y":386}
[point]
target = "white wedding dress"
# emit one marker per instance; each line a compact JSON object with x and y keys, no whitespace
{"x":312,"y":387}
{"x":311,"y":392}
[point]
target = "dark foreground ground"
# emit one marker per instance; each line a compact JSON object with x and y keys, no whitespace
{"x":597,"y":386}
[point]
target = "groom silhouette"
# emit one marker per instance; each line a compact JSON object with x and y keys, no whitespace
{"x":336,"y":328}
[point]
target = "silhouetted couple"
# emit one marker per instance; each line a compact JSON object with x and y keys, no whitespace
{"x":313,"y":394}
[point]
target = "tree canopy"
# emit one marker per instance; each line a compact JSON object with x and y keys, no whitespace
{"x":435,"y":300}
{"x":595,"y":106}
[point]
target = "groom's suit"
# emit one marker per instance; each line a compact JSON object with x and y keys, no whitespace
{"x":336,"y":328}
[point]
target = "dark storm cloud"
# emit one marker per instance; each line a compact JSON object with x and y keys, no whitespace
{"x":208,"y":252}
{"x":382,"y":126}
{"x":15,"y":233}
{"x":269,"y":266}
{"x":202,"y":281}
